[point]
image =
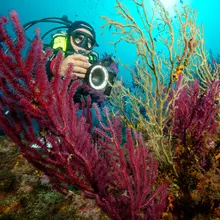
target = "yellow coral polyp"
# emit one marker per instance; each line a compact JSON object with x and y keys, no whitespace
{"x":181,"y":67}
{"x":130,"y":126}
{"x":176,"y":75}
{"x":217,"y":156}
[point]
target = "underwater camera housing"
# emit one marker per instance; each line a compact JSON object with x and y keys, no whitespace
{"x":98,"y":77}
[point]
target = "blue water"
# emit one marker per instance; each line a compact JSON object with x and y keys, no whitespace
{"x":91,"y":10}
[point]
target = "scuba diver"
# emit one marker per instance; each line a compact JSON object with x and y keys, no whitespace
{"x":77,"y":44}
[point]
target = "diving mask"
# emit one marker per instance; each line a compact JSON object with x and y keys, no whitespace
{"x":83,"y":40}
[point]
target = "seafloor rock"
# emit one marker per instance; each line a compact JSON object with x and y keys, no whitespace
{"x":25,"y":192}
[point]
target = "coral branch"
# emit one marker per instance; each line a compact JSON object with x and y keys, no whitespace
{"x":195,"y":114}
{"x":119,"y":177}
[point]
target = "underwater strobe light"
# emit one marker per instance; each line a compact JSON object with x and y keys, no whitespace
{"x":97,"y":77}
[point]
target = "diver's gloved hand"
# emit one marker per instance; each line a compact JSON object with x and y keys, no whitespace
{"x":80,"y":65}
